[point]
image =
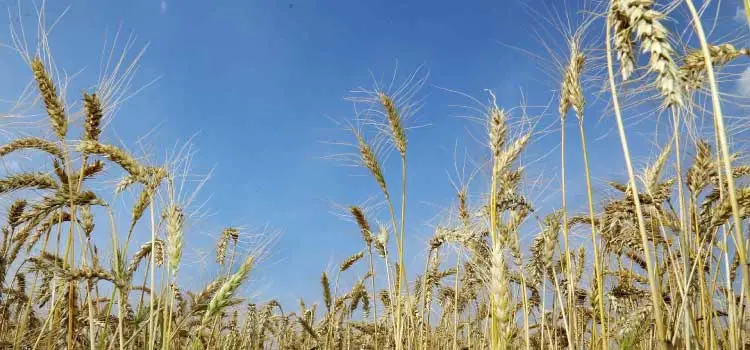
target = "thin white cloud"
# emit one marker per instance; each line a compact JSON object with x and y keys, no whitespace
{"x":739,"y":15}
{"x":743,"y":83}
{"x":163,"y":6}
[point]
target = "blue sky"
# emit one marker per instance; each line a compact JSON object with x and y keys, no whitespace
{"x":261,"y":83}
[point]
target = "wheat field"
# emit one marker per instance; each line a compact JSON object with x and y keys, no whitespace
{"x":664,"y":264}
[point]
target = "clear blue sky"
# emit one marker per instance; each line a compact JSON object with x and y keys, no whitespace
{"x":261,"y":81}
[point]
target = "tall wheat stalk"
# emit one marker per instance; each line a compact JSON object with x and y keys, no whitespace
{"x":656,"y":298}
{"x":721,"y":137}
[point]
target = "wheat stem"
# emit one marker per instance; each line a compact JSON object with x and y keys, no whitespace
{"x":655,"y":290}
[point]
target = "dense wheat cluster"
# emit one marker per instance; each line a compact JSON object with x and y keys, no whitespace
{"x":664,"y":263}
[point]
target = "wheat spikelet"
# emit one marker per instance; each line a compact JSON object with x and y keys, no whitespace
{"x":45,"y":227}
{"x":371,"y":163}
{"x":60,"y":172}
{"x":124,"y":183}
{"x":394,"y":120}
{"x":645,"y":24}
{"x":501,"y":298}
{"x":580,"y":264}
{"x":232,"y":233}
{"x":21,"y":283}
{"x":87,"y":220}
{"x":200,"y":300}
{"x":96,"y":273}
{"x":92,"y":169}
{"x":307,"y":327}
{"x":627,"y":275}
{"x":571,"y":92}
{"x":175,"y":220}
{"x":653,"y":172}
{"x":31,"y":143}
{"x":497,"y":130}
{"x":48,"y":204}
{"x":385,"y":298}
{"x":537,"y":260}
{"x":158,"y":252}
{"x":326,"y":291}
{"x":381,"y":241}
{"x":229,"y":233}
{"x":115,"y":154}
{"x":46,"y":262}
{"x":348,"y":262}
{"x":143,"y":251}
{"x":94,"y":113}
{"x":636,"y":322}
{"x":21,"y":238}
{"x":52,"y":102}
{"x":357,"y":294}
{"x":463,"y":208}
{"x":221,"y":249}
{"x":723,"y":211}
{"x":636,"y":257}
{"x":551,"y":230}
{"x":693,"y":66}
{"x":45,"y":207}
{"x":623,"y":39}
{"x":144,"y":200}
{"x":16,"y":182}
{"x":224,"y":294}
{"x":15,"y":212}
{"x":443,"y":235}
{"x":364,"y":226}
{"x":511,"y":153}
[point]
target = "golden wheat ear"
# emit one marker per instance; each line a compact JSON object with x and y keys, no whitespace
{"x":351,"y":260}
{"x":94,"y":114}
{"x":326,"y":291}
{"x":175,"y":221}
{"x":394,"y":121}
{"x":227,"y":235}
{"x":53,"y":103}
{"x":116,"y":155}
{"x":363,"y":224}
{"x":31,"y":143}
